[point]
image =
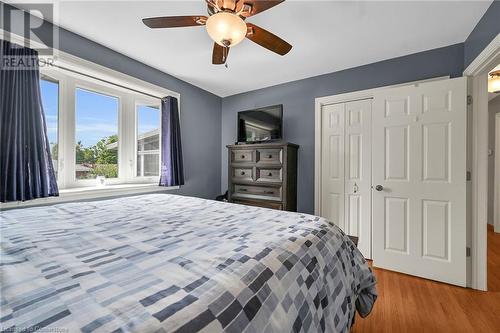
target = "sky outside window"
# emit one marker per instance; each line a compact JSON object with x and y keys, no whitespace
{"x":96,"y":117}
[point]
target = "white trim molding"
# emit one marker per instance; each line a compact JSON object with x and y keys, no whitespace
{"x":483,"y":60}
{"x":478,"y":159}
{"x":87,"y":70}
{"x":479,"y":179}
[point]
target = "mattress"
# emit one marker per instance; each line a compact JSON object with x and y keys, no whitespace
{"x":168,"y":263}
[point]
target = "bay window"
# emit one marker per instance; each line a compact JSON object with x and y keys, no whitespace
{"x":101,"y":133}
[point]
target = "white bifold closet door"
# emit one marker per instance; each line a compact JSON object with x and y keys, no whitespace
{"x":419,"y":176}
{"x":346,"y":169}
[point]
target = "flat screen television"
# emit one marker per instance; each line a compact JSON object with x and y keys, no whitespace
{"x":260,"y":125}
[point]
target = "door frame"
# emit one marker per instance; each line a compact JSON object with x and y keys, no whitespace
{"x":496,"y":194}
{"x":320,"y":102}
{"x":477,"y":72}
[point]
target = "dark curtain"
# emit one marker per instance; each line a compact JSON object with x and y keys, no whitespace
{"x":26,"y":170}
{"x":172,"y":173}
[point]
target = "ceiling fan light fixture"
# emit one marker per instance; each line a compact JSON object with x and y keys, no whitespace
{"x":494,"y":82}
{"x":226,"y":29}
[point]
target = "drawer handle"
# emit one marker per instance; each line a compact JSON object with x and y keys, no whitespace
{"x":269,"y":156}
{"x":269,"y":192}
{"x":270,"y":174}
{"x":243,"y":189}
{"x":243,"y":173}
{"x":242,"y":156}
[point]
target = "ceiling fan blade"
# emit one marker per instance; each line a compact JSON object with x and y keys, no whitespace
{"x":175,"y":21}
{"x":257,"y":6}
{"x":219,"y":55}
{"x":268,"y":40}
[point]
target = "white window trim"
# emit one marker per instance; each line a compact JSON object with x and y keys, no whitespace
{"x":143,"y":101}
{"x":74,"y":182}
{"x":90,"y":193}
{"x":87,"y":75}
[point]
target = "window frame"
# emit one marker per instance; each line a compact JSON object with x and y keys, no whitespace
{"x":51,"y":78}
{"x":128,"y":91}
{"x":142,"y":101}
{"x":109,"y":93}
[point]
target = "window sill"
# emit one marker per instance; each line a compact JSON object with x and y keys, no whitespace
{"x":90,"y":193}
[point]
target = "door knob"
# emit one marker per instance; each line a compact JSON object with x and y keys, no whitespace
{"x":379,"y":188}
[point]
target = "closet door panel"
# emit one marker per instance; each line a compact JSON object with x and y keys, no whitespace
{"x":332,"y":164}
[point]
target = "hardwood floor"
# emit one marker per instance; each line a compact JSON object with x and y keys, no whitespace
{"x":411,"y":304}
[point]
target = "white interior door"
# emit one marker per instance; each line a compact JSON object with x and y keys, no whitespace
{"x":419,"y":171}
{"x":346,"y":169}
{"x":358,"y":173}
{"x":332,"y":163}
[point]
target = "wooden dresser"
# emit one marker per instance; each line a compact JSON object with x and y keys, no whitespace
{"x":263,"y":175}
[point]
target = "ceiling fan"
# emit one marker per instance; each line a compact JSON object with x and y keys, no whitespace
{"x":226,"y":25}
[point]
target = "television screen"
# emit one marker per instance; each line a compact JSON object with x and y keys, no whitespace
{"x":262,"y":124}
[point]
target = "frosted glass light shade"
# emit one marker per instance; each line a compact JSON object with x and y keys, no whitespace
{"x":226,"y":29}
{"x":494,"y":82}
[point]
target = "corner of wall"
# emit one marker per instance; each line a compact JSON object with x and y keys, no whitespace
{"x":483,"y":33}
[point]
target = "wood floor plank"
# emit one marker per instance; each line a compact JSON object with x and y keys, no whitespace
{"x":411,"y":304}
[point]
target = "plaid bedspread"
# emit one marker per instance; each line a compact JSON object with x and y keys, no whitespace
{"x":166,"y":263}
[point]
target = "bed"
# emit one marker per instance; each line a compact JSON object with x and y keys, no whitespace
{"x":168,"y":263}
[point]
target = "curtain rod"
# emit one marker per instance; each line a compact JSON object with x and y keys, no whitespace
{"x":106,"y":81}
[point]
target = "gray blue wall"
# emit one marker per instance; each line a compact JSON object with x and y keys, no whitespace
{"x":207,"y":120}
{"x":298,"y":101}
{"x":486,"y":29}
{"x":298,"y":96}
{"x":200,"y":110}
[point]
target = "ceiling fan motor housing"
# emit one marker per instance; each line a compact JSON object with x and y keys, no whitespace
{"x":226,"y":28}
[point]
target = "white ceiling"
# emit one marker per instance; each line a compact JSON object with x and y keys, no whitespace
{"x":327,"y":36}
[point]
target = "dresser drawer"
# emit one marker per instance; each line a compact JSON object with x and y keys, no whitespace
{"x":243,"y":174}
{"x":252,"y":191}
{"x":242,"y":156}
{"x":269,"y":156}
{"x":260,"y":203}
{"x":268,"y":175}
